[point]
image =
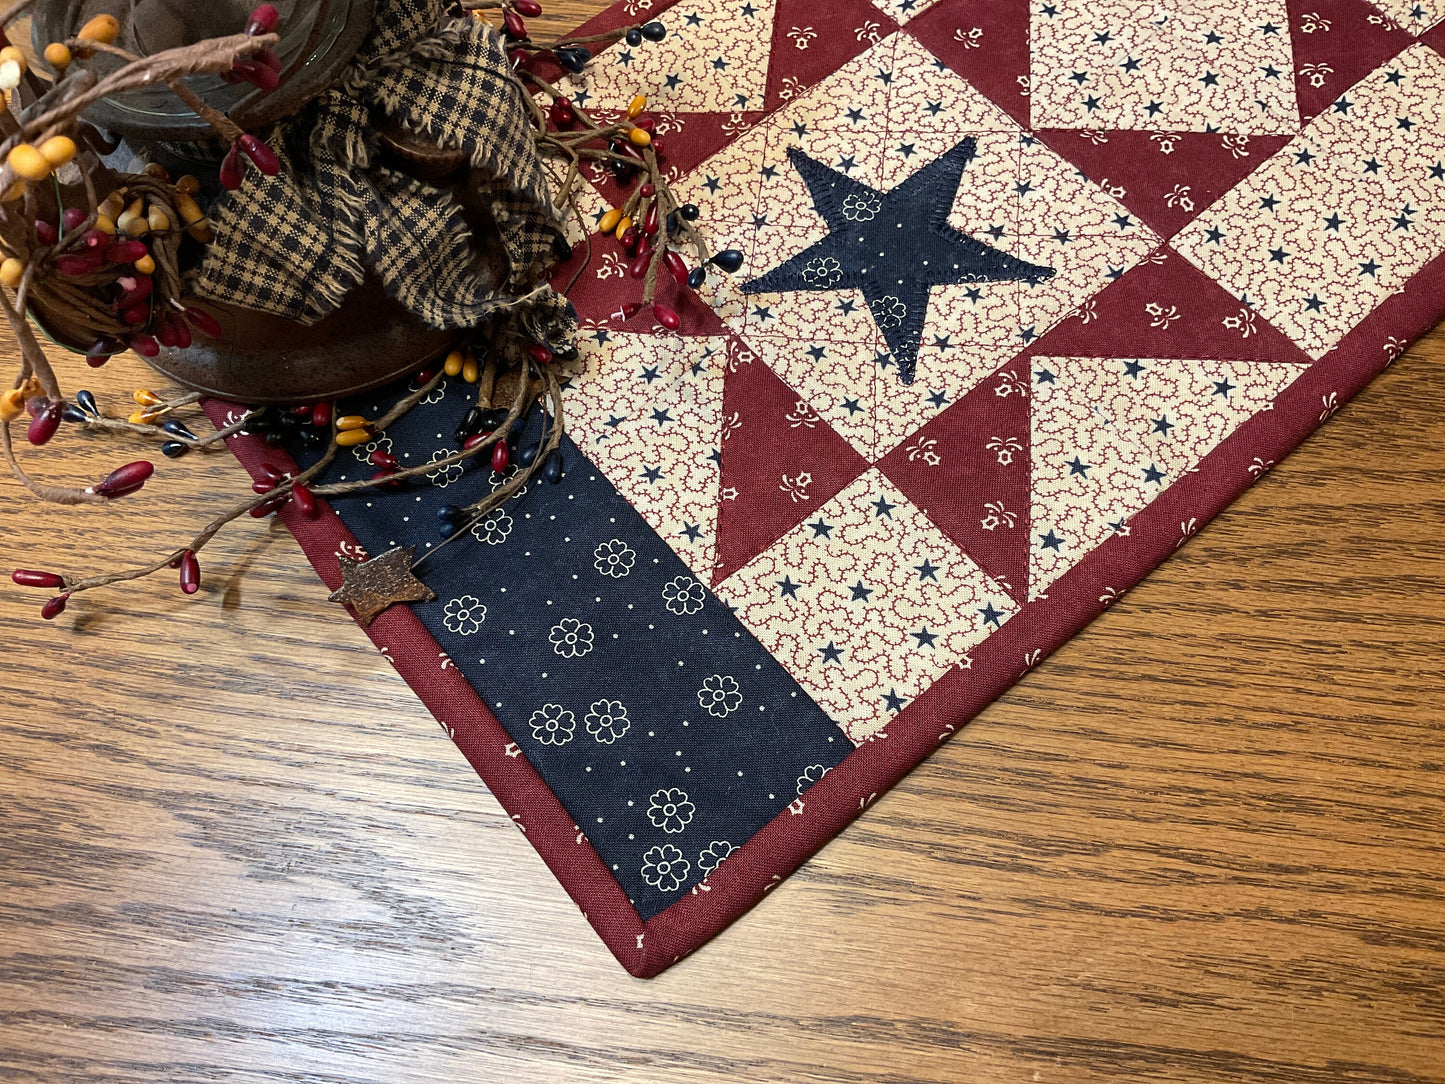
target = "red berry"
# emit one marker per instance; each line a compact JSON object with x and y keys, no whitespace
{"x":72,"y":218}
{"x":513,"y":24}
{"x":384,"y":460}
{"x":126,"y":479}
{"x":44,"y":424}
{"x":203,"y":322}
{"x":501,"y":456}
{"x":145,"y":346}
{"x":647,"y":190}
{"x":631,"y":309}
{"x":126,"y":251}
{"x":55,"y":607}
{"x":666,"y":317}
{"x":473,"y":440}
{"x":233,"y":168}
{"x":75,"y":264}
{"x":27,"y":577}
{"x":45,"y":233}
{"x":261,"y":155}
{"x":639,"y":265}
{"x":321,"y":416}
{"x":257,"y":74}
{"x":190,"y":573}
{"x":264,"y":20}
{"x":182,"y":332}
{"x":275,"y":475}
{"x":530,"y":8}
{"x":675,"y":265}
{"x":305,"y":501}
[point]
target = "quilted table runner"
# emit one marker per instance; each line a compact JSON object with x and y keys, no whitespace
{"x":1031,"y":291}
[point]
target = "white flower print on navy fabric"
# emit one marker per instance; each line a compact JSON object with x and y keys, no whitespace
{"x":822,"y":272}
{"x":443,"y":476}
{"x":494,"y":529}
{"x":571,"y":638}
{"x":497,"y":481}
{"x":436,"y":395}
{"x":670,"y":810}
{"x":664,"y":868}
{"x":712,"y":855}
{"x":363,"y":451}
{"x":811,"y":775}
{"x":889,"y":312}
{"x":614,"y":558}
{"x":552,"y":724}
{"x":464,"y":615}
{"x":607,"y":720}
{"x":720,"y":695}
{"x":684,"y":596}
{"x":862,"y":207}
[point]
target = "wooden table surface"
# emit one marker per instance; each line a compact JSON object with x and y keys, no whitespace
{"x":1202,"y":842}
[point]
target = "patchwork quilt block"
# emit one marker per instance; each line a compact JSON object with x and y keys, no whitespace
{"x":1031,"y":290}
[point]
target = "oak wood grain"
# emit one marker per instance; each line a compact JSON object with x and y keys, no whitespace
{"x":1203,"y":842}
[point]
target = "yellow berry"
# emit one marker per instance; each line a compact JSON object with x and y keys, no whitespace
{"x":623,"y":225}
{"x":17,"y":189}
{"x":453,"y":365}
{"x":58,"y":150}
{"x":189,"y":209}
{"x":146,"y":397}
{"x":636,"y":106}
{"x":640,"y":137}
{"x":12,"y":53}
{"x":105,"y":225}
{"x":29,"y":163}
{"x":103,"y":28}
{"x":146,"y":265}
{"x":12,"y":404}
{"x":350,"y":438}
{"x":610,"y":220}
{"x":348,"y":422}
{"x":157,"y":219}
{"x":112,"y":206}
{"x":188,"y":185}
{"x":11,"y":272}
{"x":132,"y":220}
{"x":471,"y":373}
{"x":58,"y":56}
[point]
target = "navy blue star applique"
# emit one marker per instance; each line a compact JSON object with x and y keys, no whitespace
{"x":893,"y":246}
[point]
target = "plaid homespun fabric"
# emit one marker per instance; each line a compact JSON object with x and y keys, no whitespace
{"x":296,"y":244}
{"x":1031,"y":291}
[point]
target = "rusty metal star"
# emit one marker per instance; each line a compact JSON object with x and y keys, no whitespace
{"x":369,"y":587}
